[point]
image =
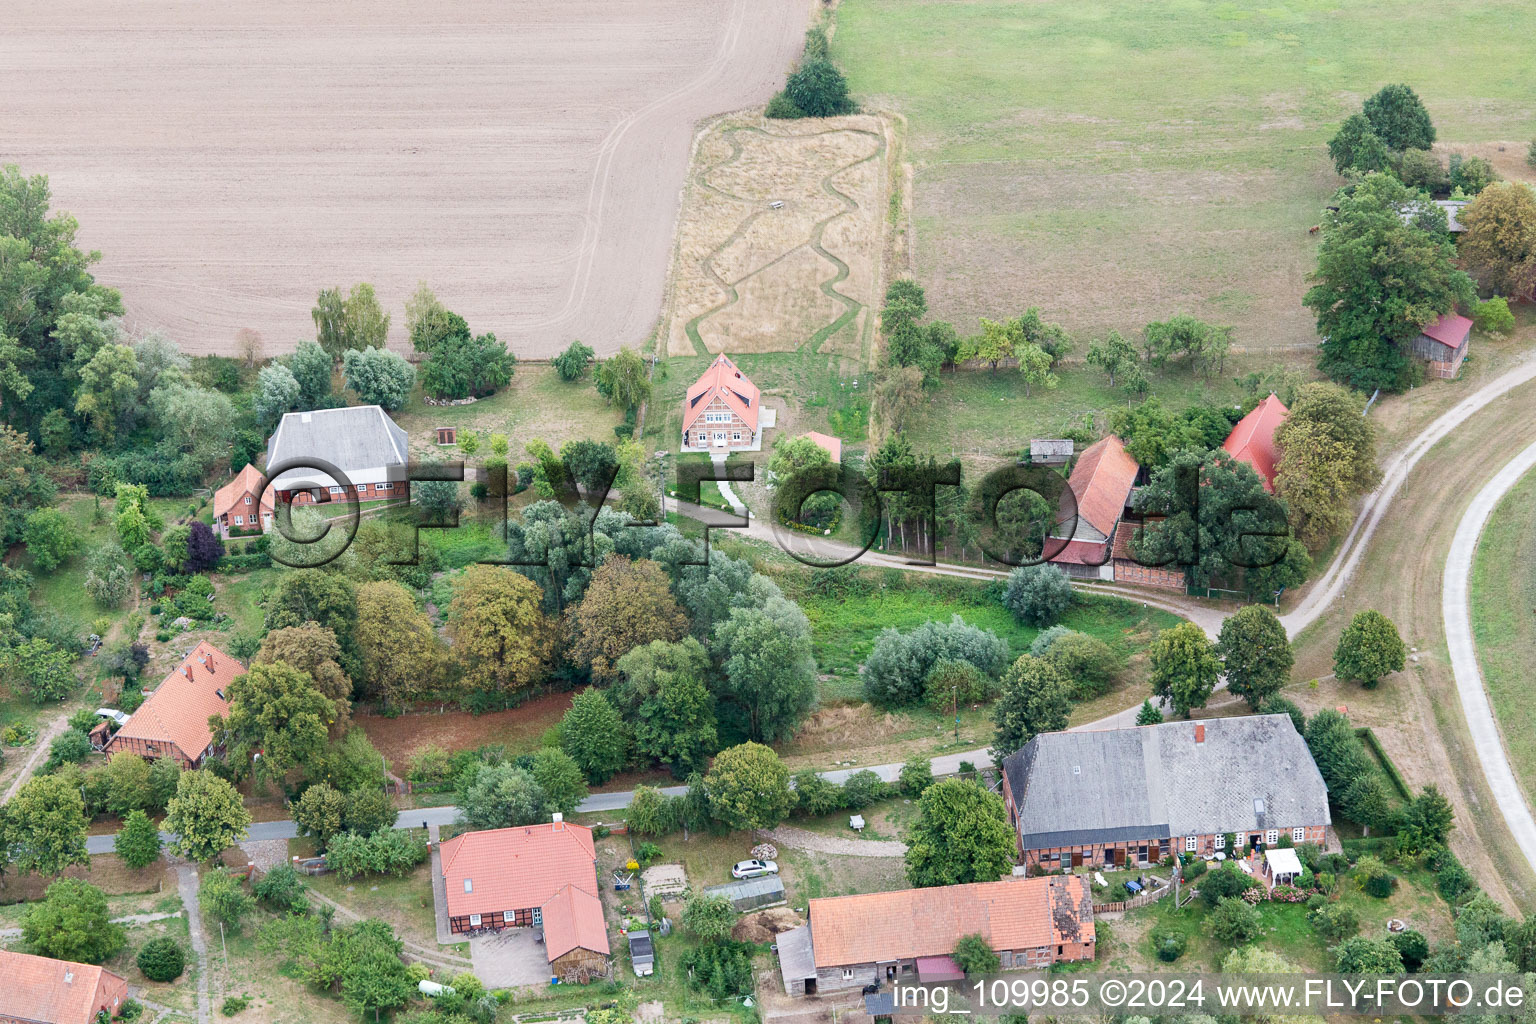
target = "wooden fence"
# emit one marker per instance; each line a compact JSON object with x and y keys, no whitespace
{"x":1139,"y":900}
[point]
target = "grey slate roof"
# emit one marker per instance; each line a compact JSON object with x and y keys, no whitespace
{"x":361,"y":441}
{"x":1049,"y":450}
{"x":1079,"y":788}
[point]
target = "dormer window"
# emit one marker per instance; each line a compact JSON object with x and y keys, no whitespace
{"x":469,"y":885}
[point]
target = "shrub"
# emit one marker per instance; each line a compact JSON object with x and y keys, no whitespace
{"x":1373,"y":877}
{"x":1042,"y":643}
{"x":1493,"y":316}
{"x":916,"y":776}
{"x":1335,"y":921}
{"x":1453,"y":882}
{"x":1471,"y":174}
{"x":1087,"y":661}
{"x":430,"y":765}
{"x":782,"y":108}
{"x":131,"y":1010}
{"x":862,"y":789}
{"x":722,"y":969}
{"x":162,"y":959}
{"x":283,"y":890}
{"x":1194,"y":869}
{"x":815,"y":795}
{"x":1169,"y":944}
{"x":223,"y":897}
{"x":975,"y":955}
{"x":818,"y":88}
{"x":385,"y":852}
{"x":1226,"y":881}
{"x":1038,"y":595}
{"x":950,"y":683}
{"x":1412,"y":946}
{"x":234,"y":1004}
{"x":1236,"y":921}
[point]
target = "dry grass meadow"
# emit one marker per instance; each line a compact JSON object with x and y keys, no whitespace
{"x":229,"y":160}
{"x":749,"y":277}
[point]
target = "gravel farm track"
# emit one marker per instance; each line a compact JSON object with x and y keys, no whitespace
{"x":230,"y":160}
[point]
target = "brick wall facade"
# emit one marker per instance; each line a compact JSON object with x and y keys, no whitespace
{"x":1167,"y":577}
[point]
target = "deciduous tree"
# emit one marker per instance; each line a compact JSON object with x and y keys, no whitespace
{"x":768,"y":674}
{"x":51,"y":538}
{"x":1255,"y":654}
{"x":1357,"y":147}
{"x":623,"y":380}
{"x":72,"y":922}
{"x":1327,"y":458}
{"x":277,"y":717}
{"x":277,"y":392}
{"x":313,"y":649}
{"x":1499,"y":244}
{"x":311,"y":367}
{"x":1035,"y":698}
{"x":961,"y":835}
{"x":206,"y":815}
{"x":626,"y":605}
{"x":1369,"y":649}
{"x":748,"y":787}
{"x":1184,"y":667}
{"x":1397,"y":115}
{"x":662,"y":694}
{"x":503,"y":795}
{"x":44,"y":826}
{"x":401,"y":654}
{"x":594,"y":735}
{"x":1113,"y":354}
{"x":138,"y":842}
{"x":501,"y":638}
{"x":572,"y":363}
{"x":379,"y":376}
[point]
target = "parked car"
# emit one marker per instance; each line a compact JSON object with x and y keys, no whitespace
{"x":754,"y":868}
{"x":120,"y":717}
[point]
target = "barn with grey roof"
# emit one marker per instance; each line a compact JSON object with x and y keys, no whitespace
{"x":361,"y":442}
{"x":1128,"y":797}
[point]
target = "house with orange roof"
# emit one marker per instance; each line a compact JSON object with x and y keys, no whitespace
{"x":173,"y":720}
{"x":1100,"y":485}
{"x":238,"y":509}
{"x":910,"y":935}
{"x":1253,"y":439}
{"x":531,"y":876}
{"x":723,"y":411}
{"x":42,"y":990}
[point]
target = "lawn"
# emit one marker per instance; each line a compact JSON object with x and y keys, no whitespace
{"x":406,"y":903}
{"x":844,"y":629}
{"x":1286,"y":928}
{"x":1116,"y":164}
{"x":1503,"y":627}
{"x":536,"y":404}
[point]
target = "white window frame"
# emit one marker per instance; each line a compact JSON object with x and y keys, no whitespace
{"x":507,"y":916}
{"x":1298,"y":835}
{"x":386,"y":486}
{"x":247,"y":499}
{"x":1272,"y":837}
{"x":335,"y":490}
{"x":239,"y":520}
{"x":474,"y":920}
{"x":1221,"y":841}
{"x":1190,"y":842}
{"x":736,"y":435}
{"x":847,"y":973}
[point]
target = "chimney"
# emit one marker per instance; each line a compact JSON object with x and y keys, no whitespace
{"x":210,"y":666}
{"x":1199,"y":733}
{"x":558,"y":820}
{"x":187,"y":671}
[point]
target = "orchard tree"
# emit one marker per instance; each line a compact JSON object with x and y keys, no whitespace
{"x":1380,"y":278}
{"x":501,"y":639}
{"x":708,"y":917}
{"x":1499,"y":245}
{"x":594,"y":735}
{"x":206,"y":816}
{"x":1184,"y":667}
{"x":748,"y":787}
{"x":44,"y":826}
{"x":1398,"y":117}
{"x":573,"y":362}
{"x":1255,"y":654}
{"x":1114,"y":355}
{"x":401,"y":654}
{"x":1369,"y":649}
{"x":46,"y":671}
{"x":627,"y":604}
{"x":51,"y":538}
{"x":1035,"y":698}
{"x":379,"y":376}
{"x":72,"y":922}
{"x":961,"y":834}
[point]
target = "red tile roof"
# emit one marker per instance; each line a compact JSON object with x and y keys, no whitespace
{"x":833,"y":445}
{"x":573,"y":919}
{"x":549,"y":866}
{"x":40,"y":988}
{"x":1253,"y":438}
{"x":1083,"y":552}
{"x":723,"y":379}
{"x":1450,"y":330}
{"x":1101,"y":481}
{"x":226,"y":498}
{"x":178,"y":711}
{"x":1017,"y":913}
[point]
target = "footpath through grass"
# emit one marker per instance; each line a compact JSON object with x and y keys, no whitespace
{"x":1503,"y":623}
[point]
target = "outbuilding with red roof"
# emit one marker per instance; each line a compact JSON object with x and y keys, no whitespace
{"x":531,"y":876}
{"x":1444,"y":344}
{"x":1101,"y":483}
{"x":1253,"y":439}
{"x":42,"y":990}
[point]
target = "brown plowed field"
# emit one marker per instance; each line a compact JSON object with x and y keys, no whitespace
{"x":525,"y":159}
